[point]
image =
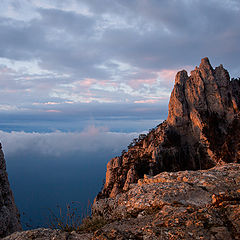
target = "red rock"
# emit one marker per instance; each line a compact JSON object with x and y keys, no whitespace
{"x":201,"y":131}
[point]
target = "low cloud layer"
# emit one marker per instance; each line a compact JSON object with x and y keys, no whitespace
{"x":60,"y":144}
{"x":110,"y":52}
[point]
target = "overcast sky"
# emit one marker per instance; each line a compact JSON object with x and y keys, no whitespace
{"x":60,"y":55}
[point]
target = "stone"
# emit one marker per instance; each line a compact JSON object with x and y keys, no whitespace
{"x":201,"y":131}
{"x":206,"y":205}
{"x":47,"y":234}
{"x":9,"y":215}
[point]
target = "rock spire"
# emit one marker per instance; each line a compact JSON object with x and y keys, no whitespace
{"x":202,"y":130}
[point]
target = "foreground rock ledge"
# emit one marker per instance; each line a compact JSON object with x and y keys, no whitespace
{"x":202,"y":204}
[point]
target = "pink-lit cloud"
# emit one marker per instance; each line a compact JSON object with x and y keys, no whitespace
{"x":51,"y":103}
{"x":137,"y":83}
{"x":46,"y":103}
{"x":53,"y":111}
{"x":146,"y":101}
{"x":167,"y":76}
{"x":87,"y":82}
{"x":153,"y":100}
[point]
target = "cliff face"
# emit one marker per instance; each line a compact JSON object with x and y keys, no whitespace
{"x":201,"y":131}
{"x":9,"y":216}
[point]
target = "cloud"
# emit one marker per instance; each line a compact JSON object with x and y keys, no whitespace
{"x":53,"y":111}
{"x":114,"y":52}
{"x":146,"y":101}
{"x":90,"y":140}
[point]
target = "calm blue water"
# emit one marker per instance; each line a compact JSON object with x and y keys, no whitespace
{"x":47,"y":170}
{"x":41,"y":183}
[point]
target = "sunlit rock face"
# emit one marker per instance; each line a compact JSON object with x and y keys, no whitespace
{"x":201,"y":131}
{"x":9,"y":216}
{"x":203,"y":204}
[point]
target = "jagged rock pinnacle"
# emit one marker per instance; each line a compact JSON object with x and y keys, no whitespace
{"x":181,"y":77}
{"x":205,"y":63}
{"x":201,"y":131}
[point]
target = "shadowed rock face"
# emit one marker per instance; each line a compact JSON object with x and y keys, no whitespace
{"x":201,"y":131}
{"x":9,"y":216}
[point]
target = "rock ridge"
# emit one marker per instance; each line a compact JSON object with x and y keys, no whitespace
{"x":201,"y":131}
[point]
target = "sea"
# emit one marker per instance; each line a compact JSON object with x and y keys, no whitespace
{"x":55,"y":164}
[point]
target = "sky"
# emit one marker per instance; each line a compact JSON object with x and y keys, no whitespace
{"x":80,"y":78}
{"x":63,"y":57}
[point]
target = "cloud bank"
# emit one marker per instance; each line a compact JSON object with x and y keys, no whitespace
{"x":60,"y":144}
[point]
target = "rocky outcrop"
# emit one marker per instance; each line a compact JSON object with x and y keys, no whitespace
{"x":9,"y":216}
{"x":202,"y":204}
{"x":202,"y":130}
{"x":48,"y":234}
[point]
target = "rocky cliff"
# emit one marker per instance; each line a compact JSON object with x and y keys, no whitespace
{"x":9,"y":216}
{"x":203,"y":204}
{"x":201,"y":131}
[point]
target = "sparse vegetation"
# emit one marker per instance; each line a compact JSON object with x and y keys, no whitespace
{"x":68,"y":219}
{"x":136,"y":141}
{"x":73,"y":219}
{"x":123,"y":151}
{"x":92,"y":223}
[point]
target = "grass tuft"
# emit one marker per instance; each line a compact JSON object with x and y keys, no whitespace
{"x":73,"y":219}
